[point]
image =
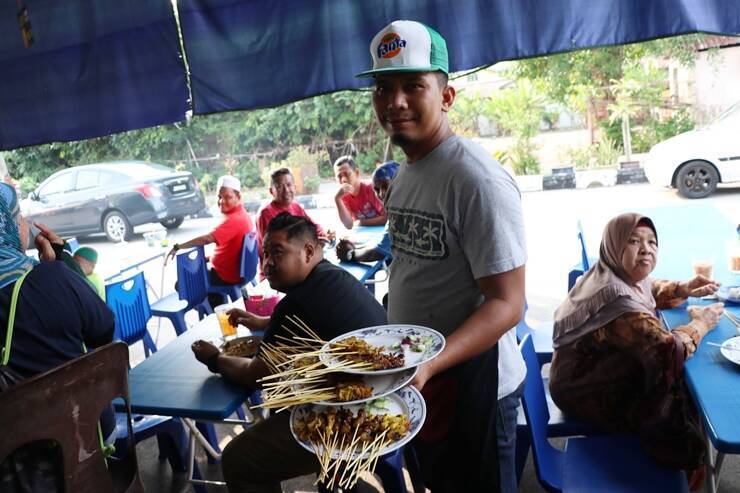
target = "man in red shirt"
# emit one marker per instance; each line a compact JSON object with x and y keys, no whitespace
{"x":228,"y":236}
{"x":356,"y":200}
{"x":282,"y":189}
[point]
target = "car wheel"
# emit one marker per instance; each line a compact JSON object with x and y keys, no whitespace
{"x":172,"y":223}
{"x":116,"y":227}
{"x":697,"y":179}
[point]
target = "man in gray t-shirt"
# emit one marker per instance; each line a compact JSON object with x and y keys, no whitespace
{"x":457,"y":239}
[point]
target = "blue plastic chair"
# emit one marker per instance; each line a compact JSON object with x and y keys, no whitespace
{"x":192,"y":290}
{"x":586,"y":262}
{"x":128,"y":301}
{"x":73,"y":244}
{"x":588,"y":464}
{"x":250,"y":257}
{"x":541,"y":336}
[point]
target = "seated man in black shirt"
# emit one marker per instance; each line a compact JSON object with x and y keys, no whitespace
{"x":327,"y":299}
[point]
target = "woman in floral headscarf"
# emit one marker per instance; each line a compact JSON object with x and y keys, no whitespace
{"x":615,"y":365}
{"x":13,"y":239}
{"x":57,"y":315}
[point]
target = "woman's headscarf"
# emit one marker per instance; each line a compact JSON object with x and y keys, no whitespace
{"x":13,"y":258}
{"x":603,"y":293}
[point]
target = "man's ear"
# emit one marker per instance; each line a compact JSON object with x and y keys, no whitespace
{"x":448,"y":97}
{"x":310,"y":250}
{"x":272,"y":190}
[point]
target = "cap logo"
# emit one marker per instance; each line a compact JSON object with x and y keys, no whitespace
{"x":390,"y":45}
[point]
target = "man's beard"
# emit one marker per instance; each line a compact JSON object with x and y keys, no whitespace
{"x":400,"y":140}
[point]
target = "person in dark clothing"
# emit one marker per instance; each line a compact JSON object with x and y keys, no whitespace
{"x":327,"y":299}
{"x":57,"y":316}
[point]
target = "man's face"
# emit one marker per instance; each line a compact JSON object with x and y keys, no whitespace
{"x":286,"y":263}
{"x":86,"y":266}
{"x":228,"y":199}
{"x":381,"y":187}
{"x":345,"y":175}
{"x":410,"y":106}
{"x":283,"y":190}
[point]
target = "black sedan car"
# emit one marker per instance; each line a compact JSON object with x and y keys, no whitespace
{"x":113,"y":198}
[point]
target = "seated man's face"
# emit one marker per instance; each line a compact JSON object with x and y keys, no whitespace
{"x":86,"y":266}
{"x":381,"y":187}
{"x":286,"y":262}
{"x":345,"y":175}
{"x":228,"y":199}
{"x":283,"y":190}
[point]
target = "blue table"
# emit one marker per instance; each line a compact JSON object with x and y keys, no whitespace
{"x":171,"y":382}
{"x":714,"y":383}
{"x":362,"y":271}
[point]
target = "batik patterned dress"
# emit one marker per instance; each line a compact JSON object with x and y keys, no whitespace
{"x":627,"y":377}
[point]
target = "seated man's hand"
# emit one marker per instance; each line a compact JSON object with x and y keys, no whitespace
{"x":245,"y":318}
{"x":204,"y":351}
{"x":343,"y":247}
{"x":171,"y":254}
{"x":345,"y":189}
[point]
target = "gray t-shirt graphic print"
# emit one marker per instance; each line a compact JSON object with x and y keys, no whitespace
{"x":453,"y":217}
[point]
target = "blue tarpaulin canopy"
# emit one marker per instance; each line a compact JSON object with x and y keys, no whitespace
{"x":104,"y":66}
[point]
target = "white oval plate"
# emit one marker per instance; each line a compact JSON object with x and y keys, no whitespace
{"x":388,"y":336}
{"x":382,"y":385}
{"x":407,"y":401}
{"x":731,"y":349}
{"x":723,"y":294}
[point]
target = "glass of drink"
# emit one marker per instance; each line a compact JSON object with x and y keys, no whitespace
{"x":703,"y":267}
{"x":228,"y":331}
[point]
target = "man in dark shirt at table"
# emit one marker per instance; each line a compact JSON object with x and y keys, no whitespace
{"x":327,"y":299}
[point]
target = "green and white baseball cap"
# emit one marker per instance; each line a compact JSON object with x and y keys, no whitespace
{"x":407,"y":46}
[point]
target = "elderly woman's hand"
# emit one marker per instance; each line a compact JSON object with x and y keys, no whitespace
{"x":706,"y":316}
{"x":698,"y":286}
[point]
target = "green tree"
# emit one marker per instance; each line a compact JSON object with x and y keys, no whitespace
{"x":519,"y":110}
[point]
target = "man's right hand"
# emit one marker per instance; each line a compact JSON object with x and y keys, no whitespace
{"x":343,"y":247}
{"x":344,"y":190}
{"x":204,"y":351}
{"x":245,"y":318}
{"x":708,"y":316}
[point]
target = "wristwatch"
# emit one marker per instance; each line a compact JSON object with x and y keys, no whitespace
{"x":176,"y":247}
{"x":349,"y":255}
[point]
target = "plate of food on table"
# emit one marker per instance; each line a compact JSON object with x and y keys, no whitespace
{"x":383,"y":349}
{"x":245,"y":347}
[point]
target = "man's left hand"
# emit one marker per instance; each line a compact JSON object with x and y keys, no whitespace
{"x":423,"y":374}
{"x":204,"y":351}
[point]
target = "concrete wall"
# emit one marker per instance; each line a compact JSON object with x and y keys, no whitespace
{"x":711,"y":86}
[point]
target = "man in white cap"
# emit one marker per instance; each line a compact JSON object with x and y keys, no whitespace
{"x":457,"y":239}
{"x":227,"y":236}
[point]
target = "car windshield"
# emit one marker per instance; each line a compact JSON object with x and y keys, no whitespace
{"x":731,"y":116}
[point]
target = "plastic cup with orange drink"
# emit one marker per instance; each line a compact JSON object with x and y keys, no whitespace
{"x":228,"y":331}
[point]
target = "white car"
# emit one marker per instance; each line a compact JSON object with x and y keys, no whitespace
{"x":695,"y":162}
